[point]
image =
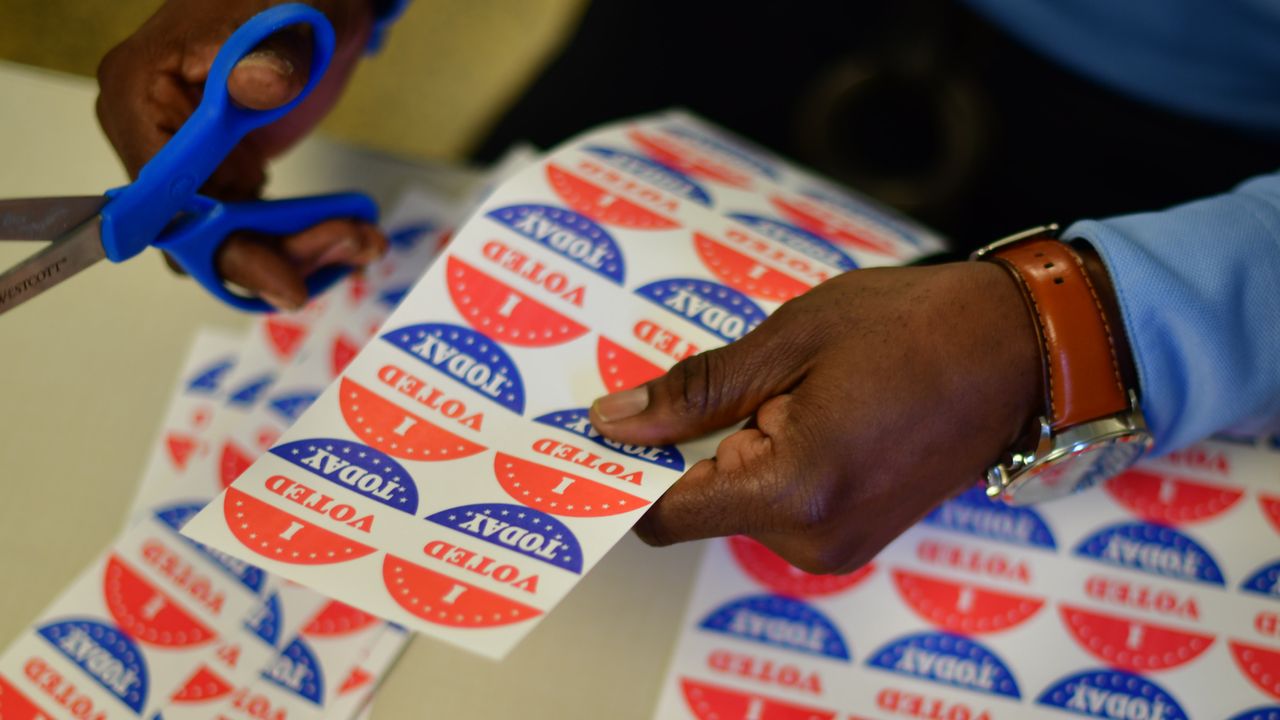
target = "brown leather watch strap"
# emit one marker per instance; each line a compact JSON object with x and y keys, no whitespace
{"x":1082,"y":375}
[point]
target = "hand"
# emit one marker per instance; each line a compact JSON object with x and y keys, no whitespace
{"x":150,"y":83}
{"x":871,"y":399}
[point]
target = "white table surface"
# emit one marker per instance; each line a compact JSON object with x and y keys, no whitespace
{"x":85,"y":373}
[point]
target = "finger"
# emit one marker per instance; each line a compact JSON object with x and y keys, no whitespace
{"x":241,"y":176}
{"x":141,"y":103}
{"x":254,"y":263}
{"x":335,"y":242}
{"x":711,"y":500}
{"x":709,"y":391}
{"x":749,"y":487}
{"x":272,"y":75}
{"x":275,"y":72}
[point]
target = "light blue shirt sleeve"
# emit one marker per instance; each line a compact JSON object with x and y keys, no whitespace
{"x":1199,"y":289}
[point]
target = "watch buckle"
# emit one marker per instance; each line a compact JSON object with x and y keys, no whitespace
{"x":1006,"y":478}
{"x":1001,"y":475}
{"x":1050,"y":229}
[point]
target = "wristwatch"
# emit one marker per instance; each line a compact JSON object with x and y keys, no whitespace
{"x":1092,"y":427}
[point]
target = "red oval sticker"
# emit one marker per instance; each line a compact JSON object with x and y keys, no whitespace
{"x":275,"y":534}
{"x":203,"y":686}
{"x":1170,"y":500}
{"x":381,"y":424}
{"x":1271,"y":508}
{"x":689,"y":160}
{"x":770,"y":570}
{"x":559,"y":493}
{"x":442,"y":600}
{"x":599,"y":204}
{"x":146,"y":613}
{"x":506,"y":314}
{"x":341,"y":354}
{"x":338,"y":618}
{"x":831,"y":225}
{"x":620,"y":368}
{"x":1262,"y":665}
{"x":232,"y":462}
{"x":962,"y":607}
{"x":1133,"y":645}
{"x":744,"y":274}
{"x":13,"y":704}
{"x":712,"y":702}
{"x":180,"y":448}
{"x":284,"y":337}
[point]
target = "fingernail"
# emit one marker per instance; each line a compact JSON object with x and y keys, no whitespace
{"x":622,"y":405}
{"x":278,"y":302}
{"x":268,"y":60}
{"x":346,"y":251}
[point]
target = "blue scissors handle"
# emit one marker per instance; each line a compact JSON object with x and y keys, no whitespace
{"x":188,"y":243}
{"x":137,"y":213}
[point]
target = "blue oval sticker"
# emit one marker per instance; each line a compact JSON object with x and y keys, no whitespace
{"x":265,"y":620}
{"x":973,"y":513}
{"x":566,"y":233}
{"x":798,"y":239}
{"x":656,"y":174}
{"x":722,"y":146}
{"x":720,"y":310}
{"x":1112,"y":694}
{"x":1154,"y":549}
{"x":291,"y":405}
{"x":105,"y":654}
{"x":575,"y":420}
{"x":359,"y":468}
{"x":297,"y":670}
{"x":520,"y":529}
{"x":208,"y":378}
{"x":175,"y":516}
{"x":779,"y":622}
{"x":948,"y":659}
{"x":465,"y":355}
{"x":1265,"y":581}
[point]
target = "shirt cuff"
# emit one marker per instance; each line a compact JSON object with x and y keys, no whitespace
{"x":1198,"y":291}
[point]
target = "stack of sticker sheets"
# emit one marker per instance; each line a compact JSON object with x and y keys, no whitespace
{"x":1154,"y":597}
{"x":413,"y":452}
{"x":162,"y":626}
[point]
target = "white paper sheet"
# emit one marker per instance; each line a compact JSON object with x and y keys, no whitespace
{"x":449,"y":481}
{"x":1155,"y":596}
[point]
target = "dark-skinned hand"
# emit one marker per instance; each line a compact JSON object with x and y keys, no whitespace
{"x":150,"y":83}
{"x":869,"y":400}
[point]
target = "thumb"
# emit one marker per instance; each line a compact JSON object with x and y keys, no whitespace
{"x":706,"y":392}
{"x":275,"y":72}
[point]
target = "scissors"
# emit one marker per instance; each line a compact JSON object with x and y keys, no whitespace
{"x":162,"y":209}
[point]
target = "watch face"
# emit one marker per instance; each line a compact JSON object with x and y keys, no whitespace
{"x":1078,"y":469}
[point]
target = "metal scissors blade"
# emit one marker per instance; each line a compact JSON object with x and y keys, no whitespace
{"x":46,"y":218}
{"x":65,"y":257}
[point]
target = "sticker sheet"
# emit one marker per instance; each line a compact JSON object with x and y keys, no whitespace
{"x":198,"y":394}
{"x":1156,"y":596}
{"x":281,"y":373}
{"x":287,"y":360}
{"x":449,"y":480}
{"x":162,"y":626}
{"x":122,"y":637}
{"x":318,"y":672}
